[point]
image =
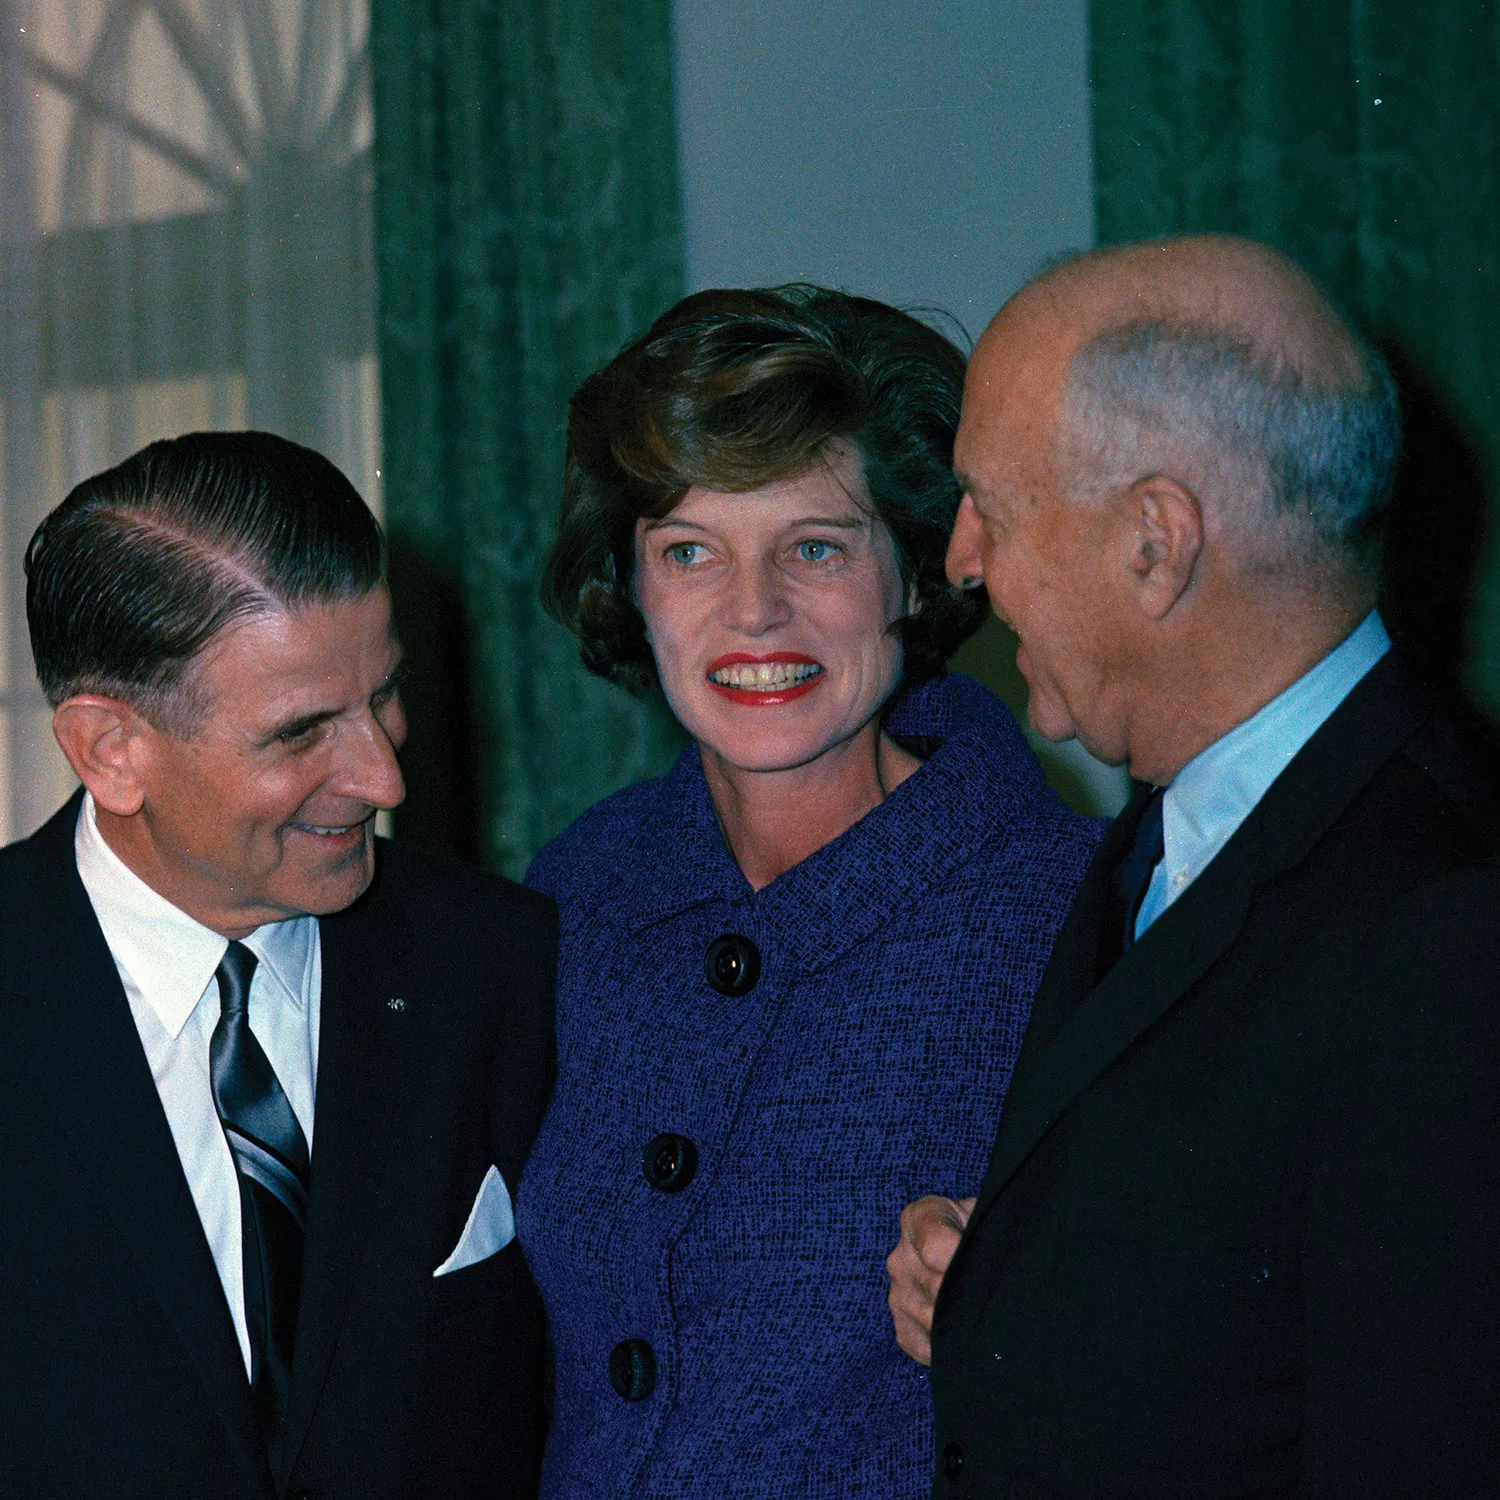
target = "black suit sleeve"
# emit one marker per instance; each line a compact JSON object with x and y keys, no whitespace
{"x":1402,"y":1257}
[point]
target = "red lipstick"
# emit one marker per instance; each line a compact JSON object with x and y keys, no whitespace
{"x":765,"y":697}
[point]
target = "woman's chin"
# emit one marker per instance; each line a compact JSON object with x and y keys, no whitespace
{"x":774,"y":747}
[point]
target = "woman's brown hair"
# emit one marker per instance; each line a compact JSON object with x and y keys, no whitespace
{"x":732,"y":390}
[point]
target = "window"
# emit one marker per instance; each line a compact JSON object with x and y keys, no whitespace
{"x":186,"y":225}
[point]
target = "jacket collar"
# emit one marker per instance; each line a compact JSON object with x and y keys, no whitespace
{"x":963,"y":798}
{"x":1078,"y":1028}
{"x":74,"y":1027}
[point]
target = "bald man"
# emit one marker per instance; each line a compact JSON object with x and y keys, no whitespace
{"x":1240,"y":1230}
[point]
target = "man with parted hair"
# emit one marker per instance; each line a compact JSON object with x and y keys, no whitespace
{"x":266,"y":1082}
{"x":1238,"y":1232}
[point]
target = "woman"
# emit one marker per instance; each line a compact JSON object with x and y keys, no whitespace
{"x":795,"y":971}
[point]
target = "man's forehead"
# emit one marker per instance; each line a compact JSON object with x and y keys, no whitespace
{"x":1011,"y":392}
{"x":1044,"y":321}
{"x":284,"y":650}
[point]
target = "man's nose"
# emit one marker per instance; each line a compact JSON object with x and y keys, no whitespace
{"x":369,"y":771}
{"x":755,"y":598}
{"x":964,"y":564}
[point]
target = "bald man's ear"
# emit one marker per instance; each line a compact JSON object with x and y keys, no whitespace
{"x":105,"y":740}
{"x":1168,"y":524}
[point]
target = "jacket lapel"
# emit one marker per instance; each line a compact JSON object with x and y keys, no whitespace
{"x":1069,"y":975}
{"x":1078,"y":1028}
{"x":355,"y":1116}
{"x":1178,"y":948}
{"x":76,"y":1030}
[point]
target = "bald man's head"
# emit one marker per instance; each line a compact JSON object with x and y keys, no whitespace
{"x":1239,"y":288}
{"x":1176,"y":457}
{"x":1221,"y":362}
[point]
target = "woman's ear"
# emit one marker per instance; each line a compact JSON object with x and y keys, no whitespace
{"x":104,"y":740}
{"x":1167,"y":524}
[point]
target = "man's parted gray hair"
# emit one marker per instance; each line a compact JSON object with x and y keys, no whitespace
{"x":1321,"y":457}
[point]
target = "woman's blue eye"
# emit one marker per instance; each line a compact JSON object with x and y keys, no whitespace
{"x":683,"y":552}
{"x":814,"y":551}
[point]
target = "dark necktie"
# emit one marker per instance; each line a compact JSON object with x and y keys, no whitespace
{"x":270,"y":1157}
{"x":1127,"y":887}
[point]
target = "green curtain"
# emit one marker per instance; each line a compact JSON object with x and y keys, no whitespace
{"x":1361,"y":136}
{"x":527,"y":225}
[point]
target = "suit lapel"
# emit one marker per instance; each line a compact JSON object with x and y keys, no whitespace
{"x":1070,"y":971}
{"x":355,"y":1117}
{"x":75,"y":1028}
{"x":1178,"y":948}
{"x":1079,"y":1028}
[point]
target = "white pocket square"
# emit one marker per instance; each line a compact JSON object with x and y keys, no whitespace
{"x":491,"y":1226}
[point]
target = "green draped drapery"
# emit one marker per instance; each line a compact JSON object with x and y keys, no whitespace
{"x":1361,"y":136}
{"x":526,"y":210}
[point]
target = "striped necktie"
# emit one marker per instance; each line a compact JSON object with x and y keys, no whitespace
{"x":271,"y":1160}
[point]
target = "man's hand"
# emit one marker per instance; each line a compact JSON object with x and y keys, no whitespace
{"x":930,"y":1228}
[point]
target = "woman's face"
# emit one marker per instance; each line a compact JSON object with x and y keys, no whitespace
{"x":769,"y":615}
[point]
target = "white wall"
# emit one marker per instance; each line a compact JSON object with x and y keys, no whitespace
{"x":920,"y":151}
{"x":932,"y":153}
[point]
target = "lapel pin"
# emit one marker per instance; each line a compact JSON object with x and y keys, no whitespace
{"x":396,"y":1003}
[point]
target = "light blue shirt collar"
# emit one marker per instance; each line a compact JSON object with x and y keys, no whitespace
{"x":1216,"y":791}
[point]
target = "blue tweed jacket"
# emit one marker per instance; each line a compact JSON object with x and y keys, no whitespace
{"x":718,"y":1302}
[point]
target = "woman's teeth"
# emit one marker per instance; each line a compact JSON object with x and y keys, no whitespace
{"x":764,"y":676}
{"x":318,"y":828}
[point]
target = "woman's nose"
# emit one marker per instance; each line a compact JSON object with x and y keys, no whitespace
{"x":755,"y":599}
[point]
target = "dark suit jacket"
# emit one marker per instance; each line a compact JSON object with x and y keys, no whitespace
{"x":120,"y":1373}
{"x":1240,"y":1233}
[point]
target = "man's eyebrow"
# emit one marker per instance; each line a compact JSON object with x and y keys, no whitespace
{"x":289,"y":728}
{"x":301,"y":723}
{"x":398,"y":674}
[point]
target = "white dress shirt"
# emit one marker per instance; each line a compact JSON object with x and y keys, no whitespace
{"x":166,"y":962}
{"x":1218,"y":789}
